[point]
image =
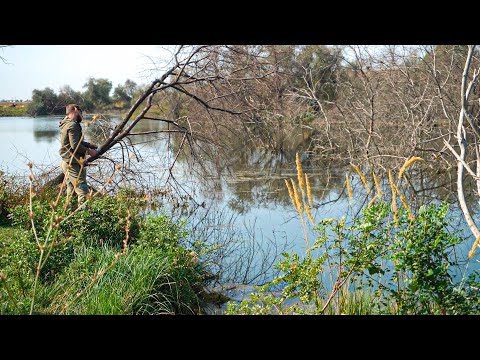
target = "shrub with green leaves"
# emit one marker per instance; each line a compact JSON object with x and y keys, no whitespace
{"x":90,"y":272}
{"x":398,"y":267}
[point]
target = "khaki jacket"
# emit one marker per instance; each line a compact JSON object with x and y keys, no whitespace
{"x":70,"y":135}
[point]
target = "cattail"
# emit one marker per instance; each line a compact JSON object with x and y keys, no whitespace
{"x":364,"y":180}
{"x":131,"y":156}
{"x":394,"y":198}
{"x":300,"y":175}
{"x":349,"y":188}
{"x":407,"y":164}
{"x":474,"y":247}
{"x":290,"y":192}
{"x":118,"y":166}
{"x":372,"y":201}
{"x":377,"y":185}
{"x":404,"y":202}
{"x":309,"y":191}
{"x":307,"y":209}
{"x":298,"y":203}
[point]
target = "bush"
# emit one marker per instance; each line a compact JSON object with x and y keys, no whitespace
{"x":399,"y":266}
{"x":89,"y":271}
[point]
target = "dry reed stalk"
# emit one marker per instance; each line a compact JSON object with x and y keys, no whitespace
{"x":372,"y":201}
{"x":349,"y":187}
{"x":394,"y":198}
{"x":474,"y":248}
{"x":364,"y":180}
{"x":307,"y":209}
{"x":298,"y":202}
{"x":404,"y":202}
{"x":300,"y":175}
{"x":377,"y":185}
{"x":407,"y":164}
{"x":290,"y":193}
{"x":309,"y":191}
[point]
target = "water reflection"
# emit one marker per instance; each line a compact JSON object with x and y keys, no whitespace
{"x":243,"y":184}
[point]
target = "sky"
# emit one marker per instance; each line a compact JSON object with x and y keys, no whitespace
{"x":32,"y":67}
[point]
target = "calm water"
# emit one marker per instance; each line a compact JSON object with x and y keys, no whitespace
{"x":248,"y":203}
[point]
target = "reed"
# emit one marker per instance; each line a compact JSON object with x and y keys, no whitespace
{"x":300,"y":175}
{"x":364,"y":180}
{"x":290,"y":193}
{"x":309,"y":191}
{"x":394,"y":199}
{"x":377,"y":184}
{"x":407,"y":164}
{"x":349,"y":187}
{"x":474,"y":247}
{"x":405,"y":204}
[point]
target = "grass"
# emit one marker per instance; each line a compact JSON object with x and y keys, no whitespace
{"x":89,"y":273}
{"x":19,"y":110}
{"x":9,"y":233}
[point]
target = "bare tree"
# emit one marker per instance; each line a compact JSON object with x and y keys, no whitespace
{"x":468,"y":84}
{"x":215,"y":83}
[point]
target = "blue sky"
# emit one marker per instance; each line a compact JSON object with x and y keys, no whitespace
{"x":32,"y":67}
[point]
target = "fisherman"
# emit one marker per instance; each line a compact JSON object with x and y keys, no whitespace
{"x":73,"y":152}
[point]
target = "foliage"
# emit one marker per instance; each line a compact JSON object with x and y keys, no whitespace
{"x":13,"y":111}
{"x":12,"y":192}
{"x":89,"y":272}
{"x":408,"y":268}
{"x":44,"y":102}
{"x":98,"y":92}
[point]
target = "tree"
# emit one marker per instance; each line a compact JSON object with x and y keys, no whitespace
{"x":214,"y":80}
{"x":124,"y":94}
{"x":466,"y":116}
{"x":44,"y":102}
{"x":67,"y":95}
{"x":98,"y":93}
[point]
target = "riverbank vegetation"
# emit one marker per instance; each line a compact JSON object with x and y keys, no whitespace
{"x":106,"y":258}
{"x":391,"y":109}
{"x":13,"y":109}
{"x":385,"y":260}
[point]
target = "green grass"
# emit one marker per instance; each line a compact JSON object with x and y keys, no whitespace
{"x":90,"y":272}
{"x":142,"y":282}
{"x":13,"y":111}
{"x":9,"y":233}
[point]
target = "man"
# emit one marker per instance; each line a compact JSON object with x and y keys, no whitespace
{"x":73,"y":151}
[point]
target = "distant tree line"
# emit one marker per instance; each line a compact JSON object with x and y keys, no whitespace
{"x":96,"y":97}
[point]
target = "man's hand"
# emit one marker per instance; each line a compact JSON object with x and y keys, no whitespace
{"x":92,"y":152}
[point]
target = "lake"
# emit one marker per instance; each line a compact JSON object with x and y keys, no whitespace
{"x":244,"y":199}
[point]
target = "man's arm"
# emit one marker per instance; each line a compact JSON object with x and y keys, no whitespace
{"x":89,"y":145}
{"x":74,"y":136}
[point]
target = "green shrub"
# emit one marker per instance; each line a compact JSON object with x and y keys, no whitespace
{"x":403,"y":267}
{"x":90,"y":272}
